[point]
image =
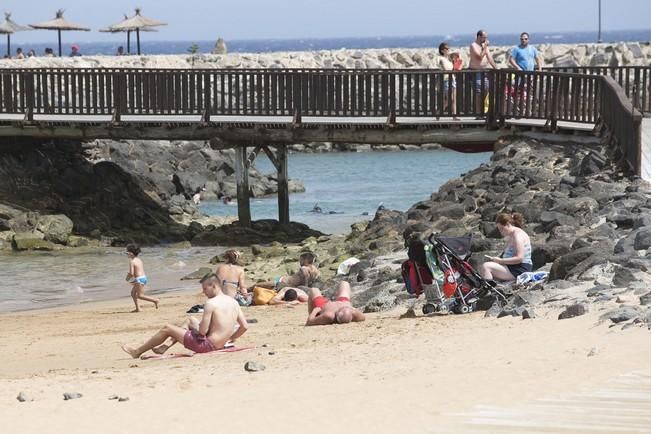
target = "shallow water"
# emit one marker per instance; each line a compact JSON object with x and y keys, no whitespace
{"x":356,"y":183}
{"x":37,"y":280}
{"x":347,"y":183}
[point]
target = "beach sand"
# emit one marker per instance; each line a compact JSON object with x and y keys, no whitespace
{"x":385,"y":375}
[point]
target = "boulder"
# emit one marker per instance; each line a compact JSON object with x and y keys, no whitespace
{"x":31,"y":241}
{"x":642,"y":240}
{"x":564,"y":265}
{"x":624,"y":313}
{"x":573,"y":311}
{"x":198,"y":274}
{"x":55,"y":228}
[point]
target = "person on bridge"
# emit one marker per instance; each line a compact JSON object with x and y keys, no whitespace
{"x":74,"y":51}
{"x":525,"y":57}
{"x":449,"y":80}
{"x":322,"y":311}
{"x":516,"y":258}
{"x":481,"y":59}
{"x":19,"y":54}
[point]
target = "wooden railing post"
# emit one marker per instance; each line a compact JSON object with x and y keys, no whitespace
{"x":28,"y":89}
{"x":283,"y":185}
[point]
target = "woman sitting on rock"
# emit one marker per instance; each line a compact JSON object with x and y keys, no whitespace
{"x":231,"y":278}
{"x":516,"y":258}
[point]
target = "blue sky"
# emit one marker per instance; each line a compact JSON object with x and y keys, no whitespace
{"x":256,"y":19}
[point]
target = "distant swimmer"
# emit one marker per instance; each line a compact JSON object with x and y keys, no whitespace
{"x":381,"y":207}
{"x":227,"y":200}
{"x":317,"y":209}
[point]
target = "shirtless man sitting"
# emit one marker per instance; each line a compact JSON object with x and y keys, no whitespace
{"x":322,"y":311}
{"x":221,"y":315}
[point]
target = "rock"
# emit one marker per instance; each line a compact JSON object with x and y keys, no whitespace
{"x":562,"y":266}
{"x":123,"y":399}
{"x":623,"y":277}
{"x":55,"y":228}
{"x":624,"y":313}
{"x":593,"y":352}
{"x":22,"y":397}
{"x":30,"y":241}
{"x":220,"y":47}
{"x":642,"y":239}
{"x":645,"y":299}
{"x":508,"y":311}
{"x":254,"y":367}
{"x":573,"y":311}
{"x":494,"y":311}
{"x":528,"y":313}
{"x":198,"y":274}
{"x":71,"y":395}
{"x":112,"y":397}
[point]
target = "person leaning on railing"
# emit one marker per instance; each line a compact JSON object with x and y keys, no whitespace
{"x":449,"y":80}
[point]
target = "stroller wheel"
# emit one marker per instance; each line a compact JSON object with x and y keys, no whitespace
{"x":443,"y":308}
{"x":429,"y":308}
{"x":464,"y":308}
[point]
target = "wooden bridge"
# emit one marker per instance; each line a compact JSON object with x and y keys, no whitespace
{"x":255,"y":110}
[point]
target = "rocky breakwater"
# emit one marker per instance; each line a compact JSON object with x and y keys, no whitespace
{"x":590,"y":226}
{"x":109,"y":193}
{"x":559,"y":55}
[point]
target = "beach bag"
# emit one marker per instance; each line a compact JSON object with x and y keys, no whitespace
{"x":415,"y":276}
{"x":262,"y":296}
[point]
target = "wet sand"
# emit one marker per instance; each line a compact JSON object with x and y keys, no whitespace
{"x":385,"y":375}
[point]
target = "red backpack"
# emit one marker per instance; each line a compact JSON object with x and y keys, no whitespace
{"x":415,"y":276}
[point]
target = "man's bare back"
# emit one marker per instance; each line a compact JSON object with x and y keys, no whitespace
{"x":224,"y":313}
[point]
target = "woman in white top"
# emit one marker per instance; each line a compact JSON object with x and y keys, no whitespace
{"x":449,"y":81}
{"x":516,"y":258}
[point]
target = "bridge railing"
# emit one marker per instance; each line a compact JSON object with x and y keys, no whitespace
{"x":635,"y":80}
{"x":587,"y":95}
{"x":547,"y":95}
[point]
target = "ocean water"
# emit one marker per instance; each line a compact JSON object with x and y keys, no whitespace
{"x":352,"y":184}
{"x":35,"y":280}
{"x":89,"y":46}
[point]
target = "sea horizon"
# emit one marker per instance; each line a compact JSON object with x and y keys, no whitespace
{"x":92,"y":47}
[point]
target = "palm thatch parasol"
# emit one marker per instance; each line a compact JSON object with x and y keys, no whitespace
{"x":128,"y":32}
{"x":136,"y":23}
{"x":7,"y":27}
{"x":59,"y":24}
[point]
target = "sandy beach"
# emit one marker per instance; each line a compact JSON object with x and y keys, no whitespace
{"x":385,"y":375}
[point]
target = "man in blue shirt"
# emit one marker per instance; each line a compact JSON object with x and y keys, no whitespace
{"x":525,"y":57}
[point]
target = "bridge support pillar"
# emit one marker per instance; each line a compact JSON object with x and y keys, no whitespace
{"x":242,"y":180}
{"x":283,"y":185}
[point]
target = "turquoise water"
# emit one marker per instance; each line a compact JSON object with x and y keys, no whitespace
{"x":356,"y":183}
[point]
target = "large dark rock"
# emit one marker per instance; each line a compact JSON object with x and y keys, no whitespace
{"x":564,"y":265}
{"x":642,"y":239}
{"x":573,"y":311}
{"x":55,"y":228}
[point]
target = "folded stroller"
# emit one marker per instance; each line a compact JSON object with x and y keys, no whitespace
{"x":456,"y":286}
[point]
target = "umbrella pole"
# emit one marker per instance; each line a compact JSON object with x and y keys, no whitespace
{"x":8,"y":44}
{"x":59,"y":32}
{"x":138,"y":39}
{"x":128,"y":41}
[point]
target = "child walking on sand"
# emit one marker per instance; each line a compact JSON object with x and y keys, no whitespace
{"x":136,"y":276}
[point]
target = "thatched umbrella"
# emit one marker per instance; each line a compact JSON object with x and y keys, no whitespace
{"x":59,"y":23}
{"x":7,"y":27}
{"x":136,"y":23}
{"x":128,"y":32}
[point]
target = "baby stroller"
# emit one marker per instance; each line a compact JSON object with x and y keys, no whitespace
{"x":456,"y":286}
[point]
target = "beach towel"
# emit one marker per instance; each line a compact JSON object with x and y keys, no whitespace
{"x":230,"y":349}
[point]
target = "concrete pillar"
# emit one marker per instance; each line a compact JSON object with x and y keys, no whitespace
{"x":242,"y":180}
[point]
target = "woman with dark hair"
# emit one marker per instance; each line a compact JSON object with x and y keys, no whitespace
{"x":231,"y":278}
{"x":449,"y":80}
{"x":516,"y":258}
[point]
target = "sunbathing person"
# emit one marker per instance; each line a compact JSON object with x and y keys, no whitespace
{"x":231,"y":278}
{"x":221,"y":315}
{"x":322,"y":311}
{"x":306,"y":275}
{"x":516,"y":258}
